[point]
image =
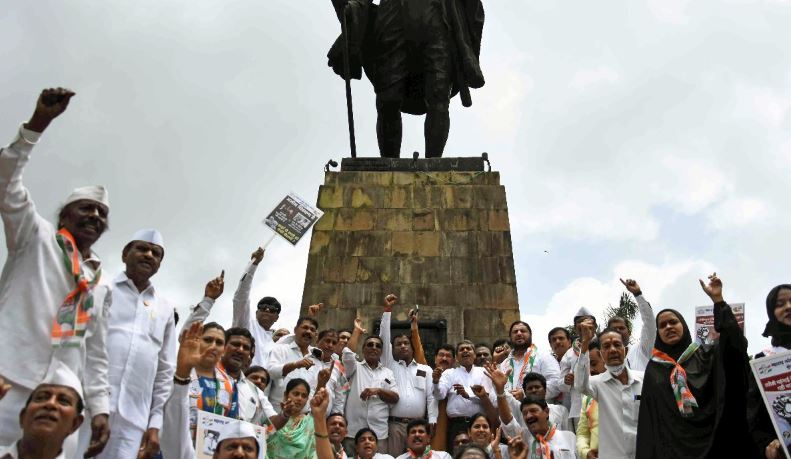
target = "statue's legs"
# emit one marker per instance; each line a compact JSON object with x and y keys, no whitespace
{"x":388,"y":120}
{"x":437,"y":65}
{"x":436,"y":129}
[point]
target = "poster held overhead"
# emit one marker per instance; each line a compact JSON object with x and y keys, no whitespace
{"x":704,"y":322}
{"x":292,"y":218}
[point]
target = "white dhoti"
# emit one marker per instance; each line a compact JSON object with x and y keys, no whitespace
{"x":124,"y":442}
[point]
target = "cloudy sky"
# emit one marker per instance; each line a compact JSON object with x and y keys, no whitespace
{"x":647,"y":139}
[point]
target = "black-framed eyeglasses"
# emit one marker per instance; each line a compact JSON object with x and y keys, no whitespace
{"x":373,"y":344}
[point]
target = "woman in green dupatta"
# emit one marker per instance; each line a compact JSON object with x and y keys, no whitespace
{"x":295,"y":437}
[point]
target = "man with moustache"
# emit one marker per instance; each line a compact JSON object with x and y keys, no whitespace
{"x":337,"y":431}
{"x":52,"y":300}
{"x":526,"y":358}
{"x":51,"y":414}
{"x":292,"y":360}
{"x":141,"y":343}
{"x":415,"y":389}
{"x":444,"y":359}
{"x":254,"y":407}
{"x":340,"y":387}
{"x":417,"y":441}
{"x":617,"y":392}
{"x":238,"y":440}
{"x":483,"y":355}
{"x":456,"y":385}
{"x":372,"y":392}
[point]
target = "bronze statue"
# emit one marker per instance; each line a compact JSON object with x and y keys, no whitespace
{"x":418,"y":54}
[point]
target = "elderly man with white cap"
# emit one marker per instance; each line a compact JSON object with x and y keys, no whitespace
{"x":141,"y":343}
{"x":52,"y":413}
{"x":53,"y":307}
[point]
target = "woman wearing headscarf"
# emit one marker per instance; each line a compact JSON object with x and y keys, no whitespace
{"x":778,"y":327}
{"x":693,"y":399}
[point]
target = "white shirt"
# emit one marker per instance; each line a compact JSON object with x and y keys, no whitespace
{"x":264,"y":342}
{"x":11,"y":452}
{"x":434,"y":455}
{"x":281,"y":355}
{"x":543,"y":364}
{"x":371,"y":413}
{"x":141,"y":343}
{"x":563,"y":444}
{"x":34,"y":284}
{"x":638,"y":356}
{"x":459,"y":406}
{"x":567,"y":364}
{"x":254,"y":407}
{"x":619,"y":406}
{"x":413,"y":380}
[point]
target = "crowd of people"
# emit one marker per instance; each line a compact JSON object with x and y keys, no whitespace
{"x":104,"y":372}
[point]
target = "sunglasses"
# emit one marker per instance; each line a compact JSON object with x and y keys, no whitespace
{"x":374,"y":345}
{"x":269,"y":309}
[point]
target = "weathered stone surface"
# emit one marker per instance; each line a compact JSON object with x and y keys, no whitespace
{"x":468,"y":163}
{"x":439,"y":239}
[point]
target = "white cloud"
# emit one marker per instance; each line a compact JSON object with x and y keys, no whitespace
{"x":587,"y":78}
{"x":737,"y":213}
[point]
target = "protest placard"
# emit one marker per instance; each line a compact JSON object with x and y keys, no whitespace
{"x":207,"y":435}
{"x":292,"y":218}
{"x":773,"y":375}
{"x":704,"y":322}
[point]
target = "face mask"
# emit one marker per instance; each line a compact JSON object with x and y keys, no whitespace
{"x":615,"y":370}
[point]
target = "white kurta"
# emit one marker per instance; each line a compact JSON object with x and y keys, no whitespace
{"x":544,"y":364}
{"x":413,"y":380}
{"x":434,"y":455}
{"x":33,"y":285}
{"x":459,"y":406}
{"x":567,"y":364}
{"x":141,"y":342}
{"x":283,"y":354}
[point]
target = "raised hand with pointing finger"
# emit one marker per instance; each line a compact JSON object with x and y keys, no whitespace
{"x":713,"y":289}
{"x":215,"y":286}
{"x":632,"y":286}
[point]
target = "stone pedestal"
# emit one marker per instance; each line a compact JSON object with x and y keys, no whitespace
{"x":435,"y":232}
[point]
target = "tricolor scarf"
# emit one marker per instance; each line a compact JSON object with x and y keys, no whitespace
{"x":73,"y":315}
{"x":540,"y":447}
{"x":344,"y":382}
{"x":529,"y":359}
{"x":678,"y":378}
{"x":426,"y":454}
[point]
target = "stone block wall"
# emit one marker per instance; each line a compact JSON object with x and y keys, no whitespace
{"x":438,"y":239}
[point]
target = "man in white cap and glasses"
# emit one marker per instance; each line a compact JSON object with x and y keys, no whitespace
{"x":141,"y":343}
{"x":53,"y":411}
{"x":50,"y":296}
{"x":238,"y":440}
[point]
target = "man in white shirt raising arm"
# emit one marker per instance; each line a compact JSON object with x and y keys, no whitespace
{"x":617,"y":391}
{"x":52,"y":300}
{"x":413,"y":380}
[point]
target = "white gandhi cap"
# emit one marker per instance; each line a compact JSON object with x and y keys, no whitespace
{"x":59,"y":374}
{"x":149,"y":235}
{"x":238,"y":429}
{"x":96,"y":193}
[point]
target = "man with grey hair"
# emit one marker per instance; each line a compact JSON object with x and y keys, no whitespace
{"x":51,"y":297}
